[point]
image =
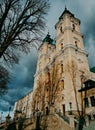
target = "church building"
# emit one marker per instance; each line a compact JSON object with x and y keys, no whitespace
{"x":63,"y":82}
{"x":63,"y":75}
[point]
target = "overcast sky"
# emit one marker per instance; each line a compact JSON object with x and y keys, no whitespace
{"x":22,"y":74}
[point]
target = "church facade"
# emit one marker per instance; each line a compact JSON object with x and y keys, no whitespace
{"x":63,"y":80}
{"x":63,"y":69}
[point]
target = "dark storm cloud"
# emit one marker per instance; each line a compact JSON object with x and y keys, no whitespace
{"x":22,"y":80}
{"x":4,"y":105}
{"x":23,"y":73}
{"x":85,"y":11}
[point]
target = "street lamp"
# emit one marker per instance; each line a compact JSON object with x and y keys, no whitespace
{"x":70,"y":104}
{"x":9,"y":110}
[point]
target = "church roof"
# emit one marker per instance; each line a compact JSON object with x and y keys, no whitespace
{"x":66,"y":11}
{"x":92,"y":69}
{"x":48,"y":39}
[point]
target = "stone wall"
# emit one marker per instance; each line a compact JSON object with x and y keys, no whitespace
{"x":49,"y":122}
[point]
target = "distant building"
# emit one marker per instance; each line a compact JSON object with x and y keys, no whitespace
{"x":23,"y":106}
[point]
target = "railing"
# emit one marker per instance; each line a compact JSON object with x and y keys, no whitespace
{"x":1,"y":126}
{"x":65,"y":118}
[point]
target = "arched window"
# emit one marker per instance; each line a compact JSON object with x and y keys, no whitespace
{"x":47,"y":89}
{"x":48,"y":76}
{"x":76,"y":44}
{"x":49,"y":59}
{"x":62,"y":83}
{"x":73,"y":25}
{"x":62,"y":68}
{"x":61,"y":29}
{"x":61,"y":45}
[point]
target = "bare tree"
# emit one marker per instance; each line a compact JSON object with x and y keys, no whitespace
{"x":21,"y":24}
{"x":4,"y":78}
{"x":46,"y":93}
{"x":53,"y":84}
{"x":48,"y":88}
{"x":55,"y":79}
{"x":39,"y":95}
{"x":72,"y":69}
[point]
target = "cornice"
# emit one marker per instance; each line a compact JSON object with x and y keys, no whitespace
{"x":59,"y":53}
{"x":70,"y":28}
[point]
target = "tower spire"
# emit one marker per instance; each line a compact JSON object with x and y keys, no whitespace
{"x":48,"y":32}
{"x":65,"y":7}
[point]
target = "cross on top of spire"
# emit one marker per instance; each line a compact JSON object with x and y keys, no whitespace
{"x":65,"y":7}
{"x":66,"y":11}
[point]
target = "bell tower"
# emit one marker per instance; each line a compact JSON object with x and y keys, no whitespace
{"x":70,"y":48}
{"x":70,"y":39}
{"x":68,"y":30}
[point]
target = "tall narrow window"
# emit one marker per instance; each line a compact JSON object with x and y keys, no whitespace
{"x":62,"y":83}
{"x":48,"y":76}
{"x":92,"y":98}
{"x":76,"y":44}
{"x":62,"y":68}
{"x":61,"y":45}
{"x":49,"y":59}
{"x":73,"y":25}
{"x":61,"y":29}
{"x":63,"y":109}
{"x":47,"y":88}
